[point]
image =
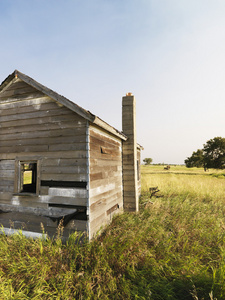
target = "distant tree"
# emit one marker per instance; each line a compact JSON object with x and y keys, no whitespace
{"x":195,"y":160}
{"x":214,"y":153}
{"x":147,"y":161}
{"x":211,"y":156}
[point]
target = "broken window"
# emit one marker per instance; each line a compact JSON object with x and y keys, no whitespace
{"x":27,"y":177}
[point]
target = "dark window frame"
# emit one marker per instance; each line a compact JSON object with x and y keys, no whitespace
{"x":23,"y":165}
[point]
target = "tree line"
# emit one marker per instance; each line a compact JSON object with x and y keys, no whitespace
{"x":211,"y":156}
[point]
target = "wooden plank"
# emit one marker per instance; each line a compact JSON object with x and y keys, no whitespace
{"x":4,"y":182}
{"x":117,"y":183}
{"x":103,"y":175}
{"x":64,"y":170}
{"x":108,"y":130}
{"x":107,"y":209}
{"x":96,"y":176}
{"x":27,"y":221}
{"x":47,"y":140}
{"x":67,"y":147}
{"x":43,"y":128}
{"x":20,"y":220}
{"x":101,"y":189}
{"x":22,"y":92}
{"x":28,"y":202}
{"x":68,"y":192}
{"x":94,"y":162}
{"x":43,"y":133}
{"x":35,"y":114}
{"x":108,"y":195}
{"x":110,"y":170}
{"x":64,"y":162}
{"x":38,"y":106}
{"x":54,"y":212}
{"x":97,"y":225}
{"x":104,"y":204}
{"x":47,"y":225}
{"x":19,"y":84}
{"x":44,"y":190}
{"x":64,"y":177}
{"x":6,"y":185}
{"x":39,"y":148}
{"x":47,"y":154}
{"x":79,"y":201}
{"x":15,"y":103}
{"x":5,"y":196}
{"x":102,"y":220}
{"x":7,"y":164}
{"x":27,"y":96}
{"x":106,"y":152}
{"x":99,"y":156}
{"x":13,"y":93}
{"x":7,"y":173}
{"x":10,"y":222}
{"x":104,"y":141}
{"x":111,"y":210}
{"x":57,"y":118}
{"x":42,"y":201}
{"x":43,"y":148}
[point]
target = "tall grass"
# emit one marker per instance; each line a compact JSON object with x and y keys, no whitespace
{"x":174,"y":248}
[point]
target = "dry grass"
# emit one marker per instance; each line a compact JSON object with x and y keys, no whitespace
{"x":181,"y":180}
{"x":173,"y":249}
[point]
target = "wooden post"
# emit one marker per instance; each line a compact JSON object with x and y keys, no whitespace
{"x":130,"y":184}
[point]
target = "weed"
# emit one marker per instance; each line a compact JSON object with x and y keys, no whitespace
{"x":174,"y":248}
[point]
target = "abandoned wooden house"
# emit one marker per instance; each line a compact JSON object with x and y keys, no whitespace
{"x":59,"y":162}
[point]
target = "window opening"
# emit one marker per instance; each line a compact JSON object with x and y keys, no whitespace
{"x":138,"y":170}
{"x":28,"y":177}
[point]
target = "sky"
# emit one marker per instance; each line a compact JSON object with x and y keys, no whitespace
{"x":168,"y":53}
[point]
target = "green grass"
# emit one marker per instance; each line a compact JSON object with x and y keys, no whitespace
{"x":174,"y":248}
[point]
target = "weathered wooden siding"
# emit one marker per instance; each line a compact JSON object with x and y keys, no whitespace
{"x":34,"y":125}
{"x":106,"y":192}
{"x":139,"y":170}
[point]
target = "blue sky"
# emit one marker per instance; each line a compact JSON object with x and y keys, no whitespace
{"x":168,"y":53}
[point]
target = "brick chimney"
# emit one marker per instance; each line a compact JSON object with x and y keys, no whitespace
{"x":130,"y":184}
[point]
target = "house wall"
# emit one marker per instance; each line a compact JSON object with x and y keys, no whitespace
{"x":105,"y":190}
{"x":139,"y":170}
{"x":34,"y":126}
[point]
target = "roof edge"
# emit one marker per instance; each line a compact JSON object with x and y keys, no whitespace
{"x":63,"y":100}
{"x":7,"y":80}
{"x":109,"y":128}
{"x":140,"y":147}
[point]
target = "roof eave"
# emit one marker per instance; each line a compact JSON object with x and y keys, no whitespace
{"x":109,"y":128}
{"x":140,"y":147}
{"x":64,"y":101}
{"x":7,"y":81}
{"x":61,"y":99}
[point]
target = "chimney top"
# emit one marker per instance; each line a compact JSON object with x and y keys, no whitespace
{"x":129,"y":94}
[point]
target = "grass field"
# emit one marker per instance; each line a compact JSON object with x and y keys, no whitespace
{"x":174,"y":248}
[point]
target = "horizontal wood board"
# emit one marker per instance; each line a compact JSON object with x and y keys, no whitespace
{"x":29,"y":222}
{"x":105,"y":178}
{"x":34,"y":125}
{"x":38,"y":124}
